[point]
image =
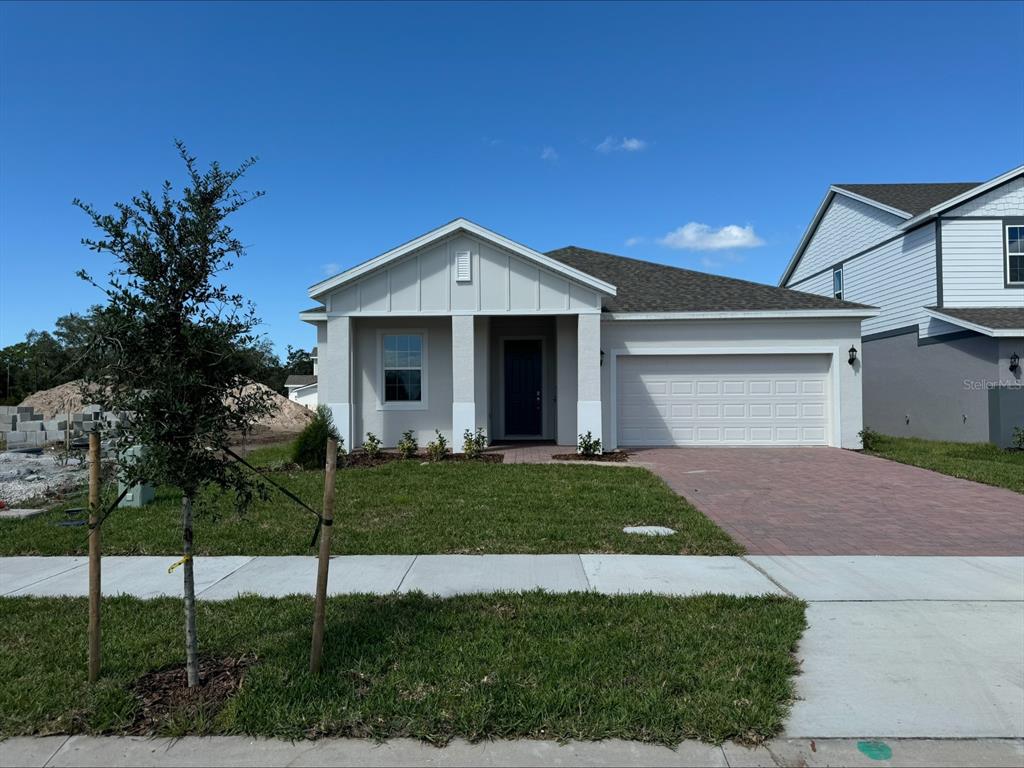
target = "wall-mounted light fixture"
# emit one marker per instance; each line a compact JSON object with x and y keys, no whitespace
{"x":602,"y":357}
{"x":853,"y":355}
{"x":1014,"y":362}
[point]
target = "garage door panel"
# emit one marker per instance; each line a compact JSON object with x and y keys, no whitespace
{"x":723,"y":400}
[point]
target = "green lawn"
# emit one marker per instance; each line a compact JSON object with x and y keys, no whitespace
{"x":407,"y":508}
{"x":981,"y":462}
{"x":580,"y":666}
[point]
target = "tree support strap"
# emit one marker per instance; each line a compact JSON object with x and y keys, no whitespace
{"x":320,"y":518}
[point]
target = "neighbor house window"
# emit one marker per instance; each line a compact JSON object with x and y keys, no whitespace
{"x":1015,"y":253}
{"x":403,"y":367}
{"x":837,"y":283}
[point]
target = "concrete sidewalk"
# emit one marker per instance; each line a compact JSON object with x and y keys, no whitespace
{"x":896,"y":647}
{"x":812,"y":578}
{"x":241,"y":750}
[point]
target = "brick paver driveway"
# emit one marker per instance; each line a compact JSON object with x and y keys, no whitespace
{"x":827,"y":501}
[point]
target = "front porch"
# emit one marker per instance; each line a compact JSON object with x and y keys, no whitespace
{"x":518,"y":377}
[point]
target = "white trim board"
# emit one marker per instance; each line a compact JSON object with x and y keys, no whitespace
{"x":994,"y":332}
{"x":443,"y":232}
{"x":754,"y":314}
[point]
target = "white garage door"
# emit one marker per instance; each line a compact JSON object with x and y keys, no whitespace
{"x":723,"y":400}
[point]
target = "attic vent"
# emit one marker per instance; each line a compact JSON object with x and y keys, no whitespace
{"x":463,"y":267}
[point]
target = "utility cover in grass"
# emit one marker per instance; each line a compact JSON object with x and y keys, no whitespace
{"x":649,"y":530}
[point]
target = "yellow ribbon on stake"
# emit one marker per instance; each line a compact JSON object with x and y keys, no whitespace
{"x":183,"y":560}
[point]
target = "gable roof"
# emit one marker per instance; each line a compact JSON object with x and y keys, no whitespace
{"x":300,"y":380}
{"x":644,"y":286}
{"x":451,"y":228}
{"x":912,"y":199}
{"x":914,"y":203}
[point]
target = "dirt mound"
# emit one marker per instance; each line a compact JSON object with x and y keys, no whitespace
{"x":58,"y":401}
{"x":288,"y":417}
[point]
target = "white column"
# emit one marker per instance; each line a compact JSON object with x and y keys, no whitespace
{"x":565,"y":386}
{"x":334,"y":385}
{"x":463,"y":379}
{"x":588,"y":374}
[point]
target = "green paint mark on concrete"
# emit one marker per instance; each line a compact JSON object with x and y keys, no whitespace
{"x":876,"y":750}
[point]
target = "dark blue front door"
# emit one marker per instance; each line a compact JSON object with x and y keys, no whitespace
{"x":523,"y":395}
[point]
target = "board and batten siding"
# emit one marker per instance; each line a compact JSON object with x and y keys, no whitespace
{"x":897,"y":277}
{"x":847,"y":227}
{"x":425,"y":283}
{"x":973,"y":273}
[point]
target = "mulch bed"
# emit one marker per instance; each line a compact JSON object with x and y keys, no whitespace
{"x":165,"y":693}
{"x":610,"y":456}
{"x":361,"y":460}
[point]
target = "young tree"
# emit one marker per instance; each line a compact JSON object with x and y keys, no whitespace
{"x":170,"y":344}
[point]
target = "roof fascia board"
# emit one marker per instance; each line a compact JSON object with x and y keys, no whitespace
{"x":324,"y":286}
{"x":994,"y":332}
{"x":808,"y":234}
{"x":758,"y":314}
{"x":868,"y":201}
{"x":964,"y":197}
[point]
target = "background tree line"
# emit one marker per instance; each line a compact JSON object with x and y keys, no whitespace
{"x":44,"y":359}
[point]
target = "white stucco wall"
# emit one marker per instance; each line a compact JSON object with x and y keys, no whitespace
{"x":305,"y":396}
{"x":763,"y":336}
{"x":369,"y":415}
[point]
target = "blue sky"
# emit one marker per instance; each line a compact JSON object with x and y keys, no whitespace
{"x":637,"y":129}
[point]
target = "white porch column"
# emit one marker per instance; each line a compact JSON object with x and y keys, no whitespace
{"x":463,"y":379}
{"x":335,"y":377}
{"x":567,"y":375}
{"x":588,"y":374}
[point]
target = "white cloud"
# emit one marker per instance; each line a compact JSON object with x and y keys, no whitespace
{"x":631,"y":241}
{"x":330,"y":269}
{"x":625,"y":144}
{"x":701,"y":237}
{"x":548,"y":153}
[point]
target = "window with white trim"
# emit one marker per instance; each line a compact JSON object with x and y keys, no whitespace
{"x":403,"y":367}
{"x":837,"y":282}
{"x":1015,"y":253}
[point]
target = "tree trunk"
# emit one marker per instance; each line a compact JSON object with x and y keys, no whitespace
{"x":191,"y":643}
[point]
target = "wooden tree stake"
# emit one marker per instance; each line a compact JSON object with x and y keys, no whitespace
{"x":94,"y":556}
{"x":323,"y":567}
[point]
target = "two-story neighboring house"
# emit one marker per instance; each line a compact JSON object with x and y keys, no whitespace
{"x":945,"y":264}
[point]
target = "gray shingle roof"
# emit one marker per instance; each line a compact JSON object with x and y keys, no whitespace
{"x":300,"y":380}
{"x":643,"y":286}
{"x":1000,"y":318}
{"x":912,"y":198}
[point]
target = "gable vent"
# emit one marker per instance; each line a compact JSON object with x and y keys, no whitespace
{"x":463,"y":266}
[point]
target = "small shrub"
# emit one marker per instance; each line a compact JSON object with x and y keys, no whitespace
{"x":371,"y":445}
{"x":1018,"y":438}
{"x":473,"y":443}
{"x":408,"y":446}
{"x":437,"y":448}
{"x":869,"y":438}
{"x":589,"y":445}
{"x":310,"y":448}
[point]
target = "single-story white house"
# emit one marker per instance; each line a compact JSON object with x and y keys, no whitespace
{"x":463,"y":328}
{"x":302,"y":389}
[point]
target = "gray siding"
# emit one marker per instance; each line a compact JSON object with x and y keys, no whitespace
{"x":847,"y":227}
{"x":1005,"y":200}
{"x":898,"y":277}
{"x":972,"y":265}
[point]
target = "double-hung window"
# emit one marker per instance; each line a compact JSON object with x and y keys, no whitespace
{"x":1015,"y":254}
{"x":837,"y":282}
{"x":403,"y":369}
